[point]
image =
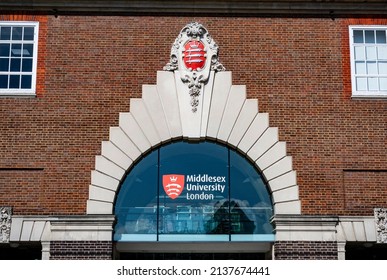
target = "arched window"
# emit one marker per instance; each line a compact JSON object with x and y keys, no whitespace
{"x":193,"y":191}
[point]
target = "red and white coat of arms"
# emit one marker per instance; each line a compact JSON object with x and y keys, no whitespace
{"x":173,"y":184}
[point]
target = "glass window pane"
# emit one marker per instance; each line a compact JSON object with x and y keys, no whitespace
{"x":182,"y":192}
{"x":372,"y":68}
{"x":3,"y":81}
{"x":15,"y":64}
{"x":4,"y":49}
{"x":250,"y":203}
{"x":5,"y":33}
{"x":27,"y":65}
{"x":380,"y":36}
{"x":373,"y":84}
{"x":26,"y":81}
{"x":136,"y":205}
{"x":360,"y":68}
{"x":4,"y":64}
{"x":28,"y":50}
{"x":361,"y":84}
{"x":16,"y":50}
{"x":369,"y":36}
{"x":371,"y":53}
{"x":383,"y":83}
{"x":28,"y":33}
{"x":202,"y":172}
{"x":14,"y":81}
{"x":358,"y":36}
{"x":382,"y":68}
{"x":359,"y":53}
{"x":17,"y":33}
{"x":382,"y":52}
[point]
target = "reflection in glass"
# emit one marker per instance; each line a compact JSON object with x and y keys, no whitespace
{"x":136,"y":204}
{"x":28,"y":33}
{"x":17,"y":33}
{"x":250,"y":194}
{"x":380,"y":36}
{"x":358,"y":36}
{"x":371,"y":53}
{"x":373,"y":84}
{"x":369,"y":36}
{"x":360,"y":67}
{"x":221,"y":195}
{"x":359,"y":53}
{"x":199,"y":163}
{"x":361,"y":84}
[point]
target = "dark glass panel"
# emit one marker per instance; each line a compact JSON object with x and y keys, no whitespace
{"x":193,"y":197}
{"x":27,"y":65}
{"x":136,"y":205}
{"x":14,"y":81}
{"x":202,"y":206}
{"x":17,"y":33}
{"x":23,"y":251}
{"x":16,"y":50}
{"x":358,"y":36}
{"x":4,"y":50}
{"x":251,"y":207}
{"x":28,"y":33}
{"x":369,"y":36}
{"x":3,"y":81}
{"x":5,"y":33}
{"x":4,"y":64}
{"x":15,"y":65}
{"x":26,"y":81}
{"x":28,"y":50}
{"x":380,"y":37}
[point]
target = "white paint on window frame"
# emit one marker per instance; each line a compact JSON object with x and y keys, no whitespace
{"x":354,"y":76}
{"x":18,"y":92}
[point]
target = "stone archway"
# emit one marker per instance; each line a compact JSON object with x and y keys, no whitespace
{"x":164,"y":114}
{"x":194,"y":98}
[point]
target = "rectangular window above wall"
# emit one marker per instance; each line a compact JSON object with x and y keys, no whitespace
{"x":18,"y":58}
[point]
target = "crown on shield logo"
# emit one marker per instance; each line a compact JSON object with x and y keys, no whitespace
{"x":173,"y":184}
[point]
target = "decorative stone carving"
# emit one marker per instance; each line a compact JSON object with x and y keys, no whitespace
{"x":194,"y":54}
{"x":5,"y":224}
{"x":381,"y":224}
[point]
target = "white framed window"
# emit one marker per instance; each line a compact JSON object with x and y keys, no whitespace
{"x":368,"y":50}
{"x":18,"y":57}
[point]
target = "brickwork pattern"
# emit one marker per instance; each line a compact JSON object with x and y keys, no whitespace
{"x":81,"y":250}
{"x":90,"y":66}
{"x":305,"y":250}
{"x":356,"y":199}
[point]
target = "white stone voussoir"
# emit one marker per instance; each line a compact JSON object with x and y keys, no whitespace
{"x":222,"y":113}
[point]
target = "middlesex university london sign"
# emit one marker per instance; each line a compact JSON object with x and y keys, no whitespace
{"x":196,"y":186}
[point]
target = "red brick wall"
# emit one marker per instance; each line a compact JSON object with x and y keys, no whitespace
{"x":81,"y":250}
{"x":364,"y":190}
{"x":90,"y":66}
{"x":305,"y":250}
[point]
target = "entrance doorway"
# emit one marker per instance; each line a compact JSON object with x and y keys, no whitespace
{"x":193,"y":251}
{"x":192,"y":256}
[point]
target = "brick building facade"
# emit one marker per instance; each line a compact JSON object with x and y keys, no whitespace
{"x":294,"y":59}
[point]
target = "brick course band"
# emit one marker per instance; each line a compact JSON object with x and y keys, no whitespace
{"x":82,"y":250}
{"x":305,"y":250}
